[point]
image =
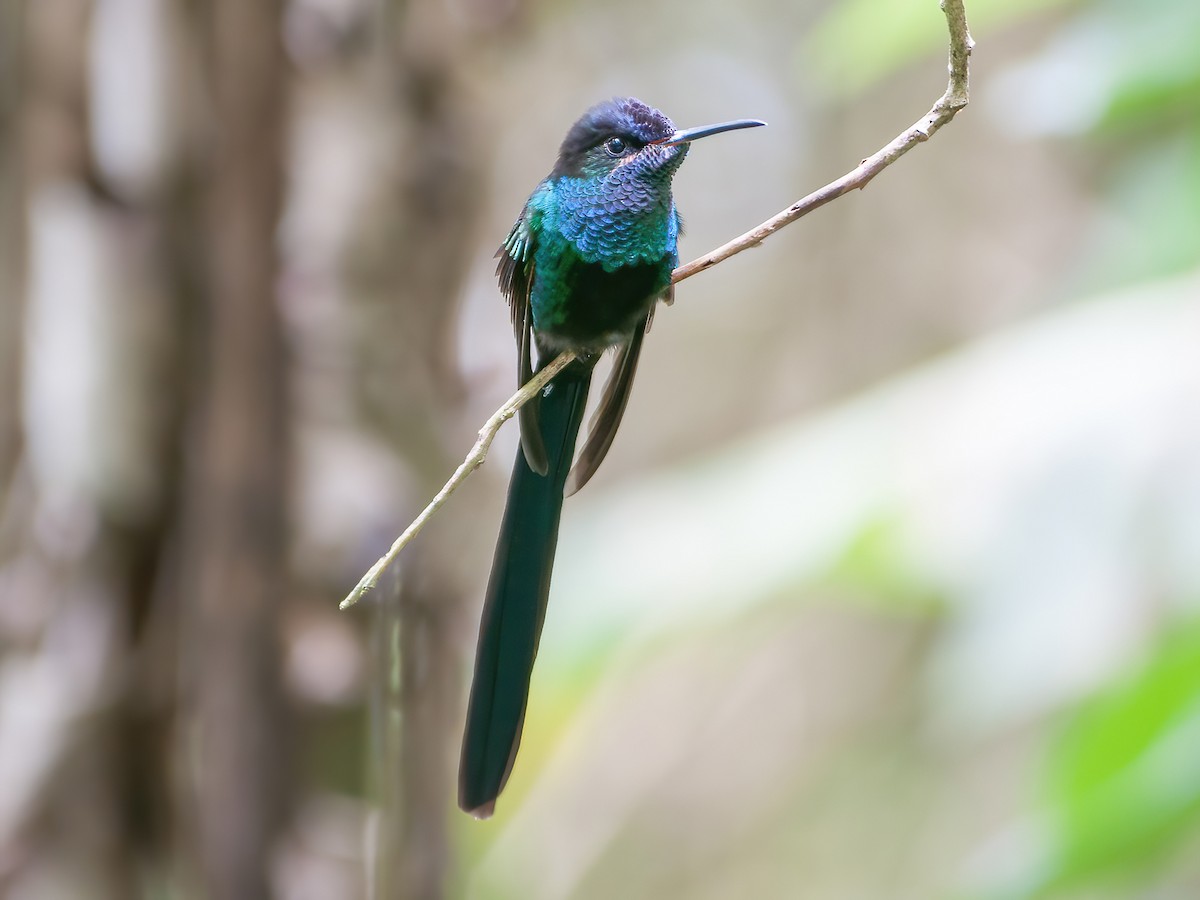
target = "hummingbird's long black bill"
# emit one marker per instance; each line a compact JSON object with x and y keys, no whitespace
{"x":694,"y":134}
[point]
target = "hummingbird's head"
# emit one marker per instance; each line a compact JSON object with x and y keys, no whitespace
{"x":625,"y":136}
{"x":616,"y":134}
{"x":611,"y":186}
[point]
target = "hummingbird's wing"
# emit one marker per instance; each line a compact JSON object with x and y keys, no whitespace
{"x":607,"y":418}
{"x":515,"y":272}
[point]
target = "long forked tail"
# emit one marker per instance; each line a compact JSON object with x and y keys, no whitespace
{"x":515,"y":604}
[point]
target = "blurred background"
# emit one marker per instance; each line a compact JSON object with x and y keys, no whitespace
{"x":890,"y":586}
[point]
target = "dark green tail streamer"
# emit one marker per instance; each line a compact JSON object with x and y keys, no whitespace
{"x":515,"y":604}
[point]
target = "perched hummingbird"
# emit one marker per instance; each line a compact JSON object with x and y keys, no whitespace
{"x":582,"y":269}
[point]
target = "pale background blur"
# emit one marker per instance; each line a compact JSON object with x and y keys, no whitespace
{"x":890,"y":586}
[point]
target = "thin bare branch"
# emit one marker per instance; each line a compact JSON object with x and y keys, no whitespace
{"x":923,"y":129}
{"x":947,"y":106}
{"x":473,"y":461}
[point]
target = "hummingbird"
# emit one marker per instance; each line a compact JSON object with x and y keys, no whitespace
{"x":582,"y":269}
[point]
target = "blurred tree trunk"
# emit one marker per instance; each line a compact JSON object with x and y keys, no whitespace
{"x":162,"y":251}
{"x":12,"y":231}
{"x":407,"y":271}
{"x":107,"y":784}
{"x":235,"y":546}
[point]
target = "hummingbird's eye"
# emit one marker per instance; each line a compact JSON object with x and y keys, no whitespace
{"x":614,"y":146}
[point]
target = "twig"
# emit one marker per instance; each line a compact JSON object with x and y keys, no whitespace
{"x":943,"y":111}
{"x":473,"y":461}
{"x":954,"y":99}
